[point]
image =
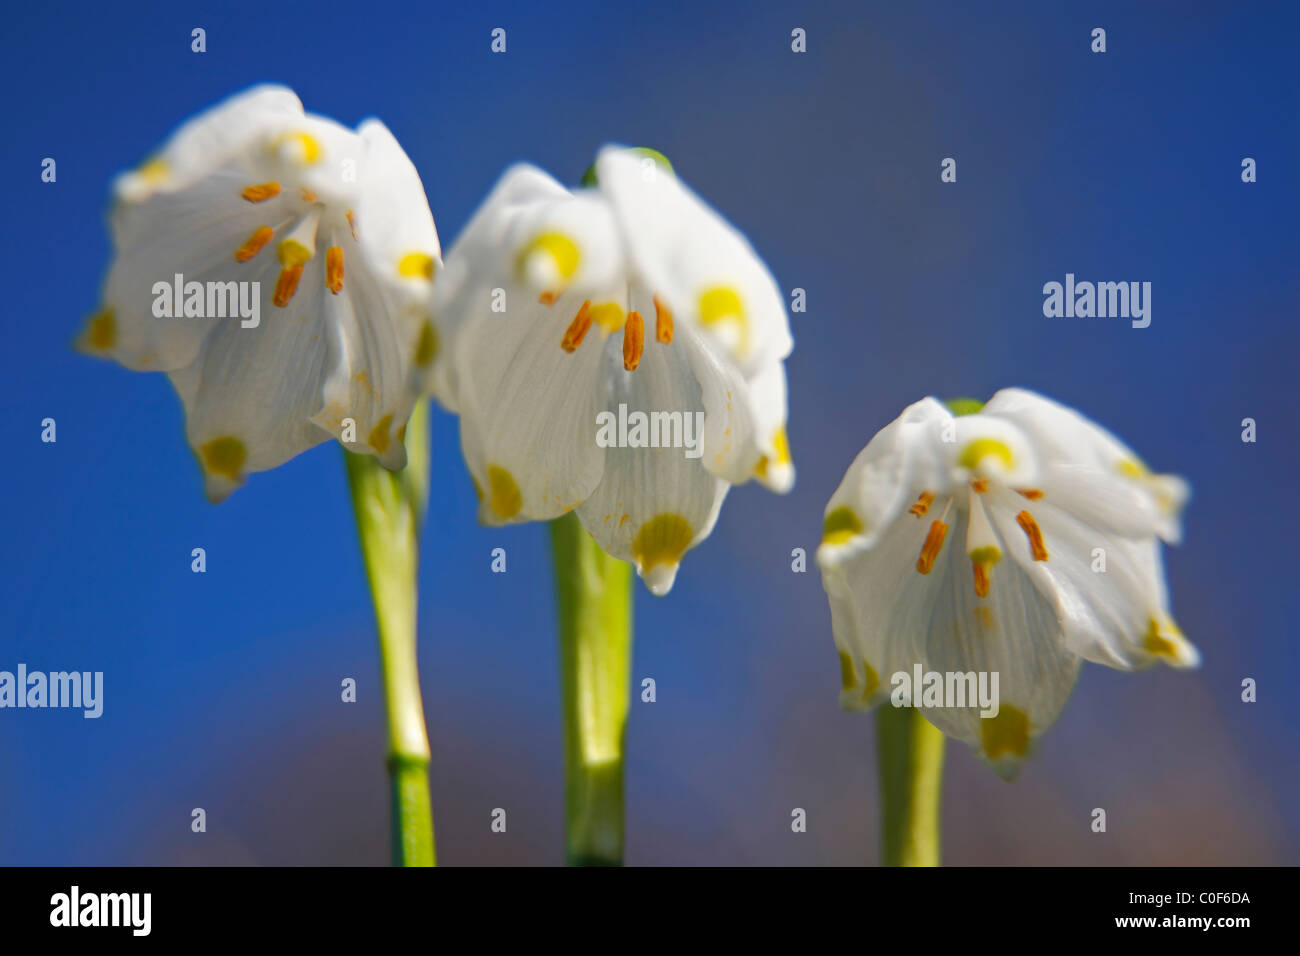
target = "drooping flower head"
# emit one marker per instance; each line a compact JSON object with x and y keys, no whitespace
{"x":1020,"y":540}
{"x":572,"y":309}
{"x":277,"y":267}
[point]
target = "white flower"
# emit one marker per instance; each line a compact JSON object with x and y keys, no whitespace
{"x":563,"y":305}
{"x":1021,"y":540}
{"x":334,"y":228}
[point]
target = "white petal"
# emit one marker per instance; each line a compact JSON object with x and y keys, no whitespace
{"x":652,"y":504}
{"x":371,"y":341}
{"x":731,"y":449}
{"x":900,"y":462}
{"x":880,"y":608}
{"x":240,"y":387}
{"x":767,"y":394}
{"x":493,"y":256}
{"x":1013,"y":632}
{"x":686,"y":253}
{"x":208,"y":141}
{"x":1064,"y":437}
{"x":528,"y":410}
{"x":1107,"y":616}
{"x":394,"y":221}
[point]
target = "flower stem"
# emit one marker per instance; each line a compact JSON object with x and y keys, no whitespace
{"x":594,"y":598}
{"x":389,"y":508}
{"x":910,"y":753}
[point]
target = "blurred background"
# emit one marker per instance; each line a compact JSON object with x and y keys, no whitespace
{"x":222,"y":689}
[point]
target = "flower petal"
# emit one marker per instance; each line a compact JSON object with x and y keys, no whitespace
{"x":653,"y":504}
{"x":1013,"y":633}
{"x":1116,"y":488}
{"x":703,"y":267}
{"x":238,"y":387}
{"x":528,"y":411}
{"x":898,"y":464}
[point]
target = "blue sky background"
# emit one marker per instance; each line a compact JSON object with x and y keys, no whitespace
{"x":222,"y":689}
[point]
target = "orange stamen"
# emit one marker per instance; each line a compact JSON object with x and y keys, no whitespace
{"x":352,"y":225}
{"x":633,"y":341}
{"x":334,"y":269}
{"x":1030,"y":526}
{"x":922,"y":504}
{"x":261,"y":192}
{"x":663,"y":322}
{"x":548,"y":298}
{"x":573,"y":335}
{"x":979,"y":485}
{"x":307,"y":195}
{"x":1033,"y":494}
{"x":982,"y":569}
{"x":255,"y":244}
{"x":286,"y":285}
{"x":930,"y":550}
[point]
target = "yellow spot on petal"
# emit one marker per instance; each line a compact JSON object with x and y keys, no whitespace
{"x":334,"y":269}
{"x":982,"y":448}
{"x":1034,"y":534}
{"x":1005,"y":734}
{"x":307,"y":194}
{"x":780,"y":448}
{"x":427,"y":346}
{"x":101,"y":331}
{"x":416,"y":265}
{"x":1157,"y":639}
{"x":623,"y":519}
{"x":561,"y":248}
{"x":781,"y":445}
{"x":503,"y":493}
{"x":261,"y":192}
{"x":662,"y":540}
{"x":224,"y":456}
{"x":848,"y":678}
{"x":872,"y":680}
{"x":1131,"y":468}
{"x":254,"y":244}
{"x":984,"y":614}
{"x":154,"y":171}
{"x":840,"y":525}
{"x":933,"y":543}
{"x":721,"y":306}
{"x":608,"y":315}
{"x":306,"y":148}
{"x":378,"y":438}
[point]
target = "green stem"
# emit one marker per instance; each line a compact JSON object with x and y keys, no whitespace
{"x":389,"y":508}
{"x":910,"y":753}
{"x":594,"y":598}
